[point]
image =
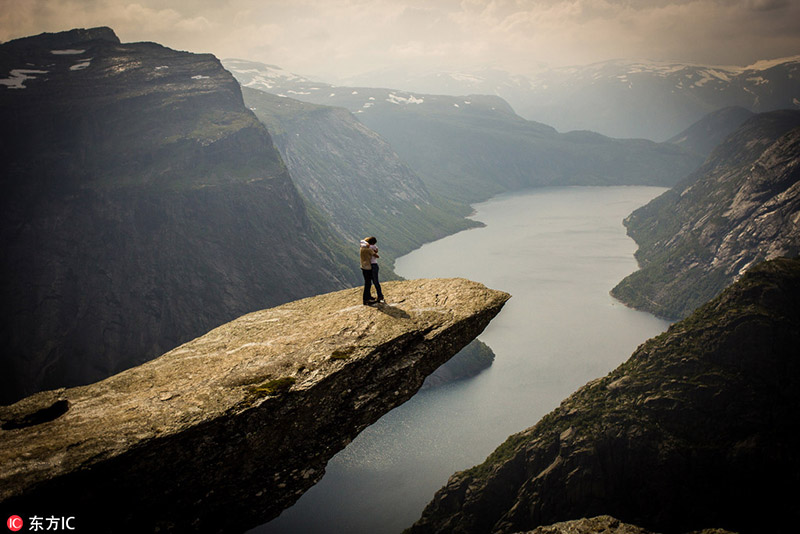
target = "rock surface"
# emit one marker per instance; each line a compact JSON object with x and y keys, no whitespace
{"x":698,"y":429}
{"x":227,"y":430}
{"x":740,"y":208}
{"x":604,"y":524}
{"x":143,"y":204}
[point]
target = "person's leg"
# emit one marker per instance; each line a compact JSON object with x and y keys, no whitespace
{"x":375,"y":281}
{"x":367,"y":286}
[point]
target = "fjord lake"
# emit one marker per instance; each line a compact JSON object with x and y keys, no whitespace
{"x":558,"y":251}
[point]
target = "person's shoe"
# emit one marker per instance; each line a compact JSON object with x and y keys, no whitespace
{"x":370,"y":302}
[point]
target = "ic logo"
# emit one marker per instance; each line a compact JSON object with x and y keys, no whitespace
{"x":14,"y":523}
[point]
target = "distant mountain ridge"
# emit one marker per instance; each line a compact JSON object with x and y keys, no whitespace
{"x":705,"y":135}
{"x":619,"y":98}
{"x":468,"y":148}
{"x":143,"y":205}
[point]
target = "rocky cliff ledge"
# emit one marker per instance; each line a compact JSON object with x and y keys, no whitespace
{"x":698,"y":429}
{"x":227,"y":430}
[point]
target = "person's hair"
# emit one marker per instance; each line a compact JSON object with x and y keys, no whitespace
{"x":371,"y":240}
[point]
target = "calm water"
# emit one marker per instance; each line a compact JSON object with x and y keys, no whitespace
{"x":558,"y":251}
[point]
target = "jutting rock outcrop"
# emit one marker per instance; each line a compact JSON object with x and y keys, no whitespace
{"x":698,"y":429}
{"x":225,"y":431}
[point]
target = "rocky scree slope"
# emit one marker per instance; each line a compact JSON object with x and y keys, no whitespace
{"x":469,"y":148}
{"x":741,"y":207}
{"x":698,"y":429}
{"x":354,"y":176}
{"x":225,"y":431}
{"x":143,"y":205}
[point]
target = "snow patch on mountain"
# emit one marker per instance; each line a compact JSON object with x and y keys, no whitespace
{"x":400,"y":100}
{"x":17,"y":78}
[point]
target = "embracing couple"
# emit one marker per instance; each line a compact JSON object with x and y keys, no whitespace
{"x":369,"y":268}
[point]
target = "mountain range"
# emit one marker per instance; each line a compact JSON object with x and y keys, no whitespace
{"x":618,"y":98}
{"x":466,"y":149}
{"x":705,"y":135}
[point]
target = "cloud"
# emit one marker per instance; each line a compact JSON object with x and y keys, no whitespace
{"x":346,"y":37}
{"x":766,"y":5}
{"x":28,"y":17}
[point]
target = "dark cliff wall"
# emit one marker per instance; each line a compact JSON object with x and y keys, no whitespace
{"x":741,"y":207}
{"x":143,"y":205}
{"x":697,"y":429}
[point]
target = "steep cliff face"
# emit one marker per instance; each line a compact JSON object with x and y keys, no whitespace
{"x":143,"y":204}
{"x":353,"y":175}
{"x":224,"y":432}
{"x":741,"y":207}
{"x":698,"y":429}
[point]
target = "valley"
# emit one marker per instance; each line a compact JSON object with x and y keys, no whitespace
{"x":157,"y":201}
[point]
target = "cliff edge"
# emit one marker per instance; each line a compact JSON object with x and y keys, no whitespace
{"x":225,"y":431}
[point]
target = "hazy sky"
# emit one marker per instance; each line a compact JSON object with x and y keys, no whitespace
{"x":338,"y":38}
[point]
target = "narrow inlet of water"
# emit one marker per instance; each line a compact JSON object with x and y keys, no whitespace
{"x":558,"y":251}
